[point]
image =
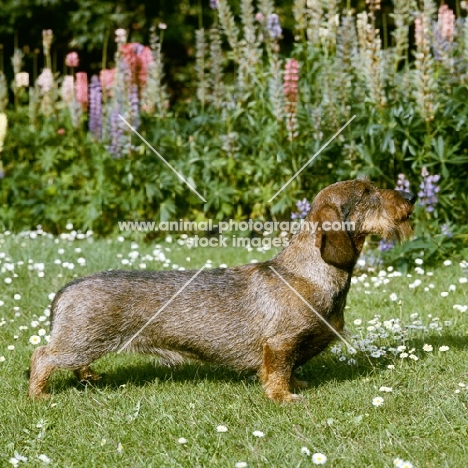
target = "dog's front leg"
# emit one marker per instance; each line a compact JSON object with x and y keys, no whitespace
{"x":276,"y":371}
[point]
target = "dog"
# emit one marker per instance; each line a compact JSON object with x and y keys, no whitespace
{"x":260,"y":317}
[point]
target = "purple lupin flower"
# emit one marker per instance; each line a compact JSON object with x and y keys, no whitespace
{"x":116,"y":132}
{"x":273,"y":25}
{"x":213,"y":4}
{"x":134,"y":106}
{"x":402,"y":183}
{"x":385,"y":245}
{"x":446,"y":231}
{"x":429,"y":190}
{"x":304,"y":208}
{"x":95,"y":107}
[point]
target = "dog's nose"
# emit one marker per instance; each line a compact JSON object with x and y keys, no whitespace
{"x":408,"y":196}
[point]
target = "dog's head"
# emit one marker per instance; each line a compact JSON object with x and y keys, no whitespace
{"x":346,"y":212}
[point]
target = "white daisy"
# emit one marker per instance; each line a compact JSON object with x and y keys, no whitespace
{"x":221,"y":429}
{"x":35,"y":339}
{"x":44,"y":459}
{"x":377,"y":401}
{"x":319,"y":459}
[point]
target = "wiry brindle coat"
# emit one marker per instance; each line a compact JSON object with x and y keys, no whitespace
{"x":245,"y":317}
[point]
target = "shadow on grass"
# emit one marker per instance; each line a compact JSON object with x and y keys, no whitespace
{"x":324,"y":368}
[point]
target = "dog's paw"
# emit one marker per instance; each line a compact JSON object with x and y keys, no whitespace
{"x":284,"y":397}
{"x":293,"y":398}
{"x":39,"y":396}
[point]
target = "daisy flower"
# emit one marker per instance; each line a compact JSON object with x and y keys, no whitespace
{"x":258,"y":433}
{"x":120,"y":448}
{"x":444,"y":348}
{"x":378,"y":401}
{"x":305,"y":451}
{"x":241,"y":465}
{"x":182,"y":440}
{"x":35,"y":339}
{"x":221,"y":429}
{"x":319,"y":459}
{"x":44,"y":459}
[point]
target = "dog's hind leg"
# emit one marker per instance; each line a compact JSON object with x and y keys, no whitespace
{"x":42,"y":366}
{"x":276,"y":371}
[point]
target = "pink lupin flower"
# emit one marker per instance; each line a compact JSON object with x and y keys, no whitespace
{"x":290,"y":88}
{"x":291,"y":78}
{"x":81,"y":88}
{"x":446,"y":22}
{"x":107,"y":78}
{"x":138,"y":58}
{"x":72,"y":60}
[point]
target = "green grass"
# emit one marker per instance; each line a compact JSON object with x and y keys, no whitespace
{"x":147,"y":407}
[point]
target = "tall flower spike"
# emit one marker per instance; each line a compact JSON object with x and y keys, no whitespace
{"x":81,"y":87}
{"x":425,"y":86}
{"x":45,"y":81}
{"x":22,"y":80}
{"x":67,"y":90}
{"x":402,"y":18}
{"x":47,"y":39}
{"x":138,"y":58}
{"x":443,"y":35}
{"x":290,"y":86}
{"x":3,"y":92}
{"x":275,"y":88}
{"x":155,"y":98}
{"x":200,"y":56}
{"x":216,"y":72}
{"x":273,"y":26}
{"x":228,"y":24}
{"x":429,"y":189}
{"x":300,"y":16}
{"x":95,"y":107}
{"x":17,"y":61}
{"x":370,"y":58}
{"x":314,"y":23}
{"x":333,"y":21}
{"x":3,"y":129}
{"x":250,"y":47}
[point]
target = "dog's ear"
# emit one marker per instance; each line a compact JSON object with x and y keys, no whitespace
{"x":336,"y":247}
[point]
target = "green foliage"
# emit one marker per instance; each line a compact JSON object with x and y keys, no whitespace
{"x":239,"y":137}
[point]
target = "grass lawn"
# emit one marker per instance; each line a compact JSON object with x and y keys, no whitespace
{"x":146,"y":415}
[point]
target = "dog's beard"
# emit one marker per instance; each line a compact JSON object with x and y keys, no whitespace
{"x":397,"y":231}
